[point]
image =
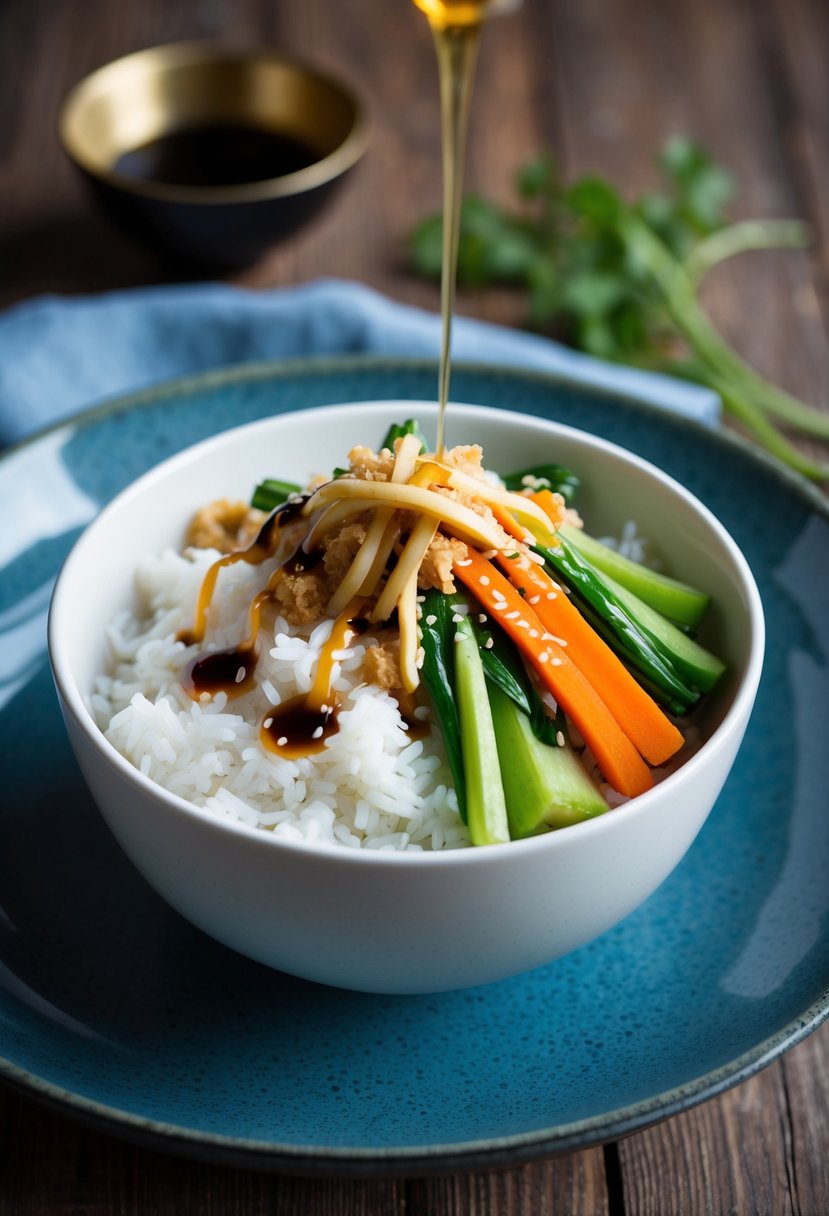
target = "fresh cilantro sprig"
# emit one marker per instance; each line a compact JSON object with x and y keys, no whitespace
{"x":619,"y":279}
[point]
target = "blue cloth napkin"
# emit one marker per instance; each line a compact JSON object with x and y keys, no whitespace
{"x":60,"y":355}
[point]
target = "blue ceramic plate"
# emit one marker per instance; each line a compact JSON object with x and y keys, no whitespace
{"x":118,"y":1011}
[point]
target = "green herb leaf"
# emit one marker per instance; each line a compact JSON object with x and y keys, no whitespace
{"x":618,"y":279}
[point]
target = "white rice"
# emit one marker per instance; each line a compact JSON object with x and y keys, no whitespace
{"x":370,"y":787}
{"x":632,"y":544}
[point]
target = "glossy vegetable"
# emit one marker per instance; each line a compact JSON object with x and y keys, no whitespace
{"x":653,"y":735}
{"x":544,"y":787}
{"x":486,"y":811}
{"x":437,"y":632}
{"x":616,"y":756}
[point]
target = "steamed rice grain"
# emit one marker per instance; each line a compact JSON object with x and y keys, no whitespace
{"x":371,"y":786}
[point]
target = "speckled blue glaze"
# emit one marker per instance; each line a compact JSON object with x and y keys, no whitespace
{"x":119,"y":1011}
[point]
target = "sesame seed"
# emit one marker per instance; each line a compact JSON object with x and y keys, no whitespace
{"x":431,"y":619}
{"x":457,"y":619}
{"x":544,"y":657}
{"x":282,"y":741}
{"x":317,"y":733}
{"x":498,"y":596}
{"x":488,"y":644}
{"x":522,"y":625}
{"x":511,"y":616}
{"x":467,"y":561}
{"x":482,"y":618}
{"x":557,"y":662}
{"x":268,"y":723}
{"x":420,"y":599}
{"x":533,"y":599}
{"x":551,"y":595}
{"x":325,"y":709}
{"x":499,"y":605}
{"x":484,"y":580}
{"x":560,"y":738}
{"x":458,"y":637}
{"x":240,"y":675}
{"x":489,"y":554}
{"x":533,"y":633}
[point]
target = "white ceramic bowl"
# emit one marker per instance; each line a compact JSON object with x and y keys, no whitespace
{"x":401,"y":922}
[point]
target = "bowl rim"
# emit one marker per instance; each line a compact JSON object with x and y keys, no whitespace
{"x":182,"y":54}
{"x":734,"y":719}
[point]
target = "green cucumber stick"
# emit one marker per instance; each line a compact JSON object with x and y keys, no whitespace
{"x":486,"y":811}
{"x":691,"y":660}
{"x":675,"y":600}
{"x":544,"y":787}
{"x":437,"y":634}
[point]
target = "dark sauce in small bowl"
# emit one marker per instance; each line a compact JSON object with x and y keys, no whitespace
{"x":216,"y":156}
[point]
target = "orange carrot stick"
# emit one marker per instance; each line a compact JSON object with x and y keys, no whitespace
{"x":642,"y":720}
{"x":615,"y":755}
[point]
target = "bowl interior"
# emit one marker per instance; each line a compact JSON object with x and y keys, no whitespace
{"x":168,"y":90}
{"x":617,"y":486}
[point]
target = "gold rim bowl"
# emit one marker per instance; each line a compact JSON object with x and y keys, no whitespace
{"x":185,"y":86}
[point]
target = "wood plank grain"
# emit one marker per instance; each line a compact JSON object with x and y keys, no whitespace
{"x":806,"y":1080}
{"x":799,"y":38}
{"x":632,"y":74}
{"x":566,"y":1186}
{"x":731,"y":1155}
{"x":51,"y":1165}
{"x":391,"y":61}
{"x":708,"y":71}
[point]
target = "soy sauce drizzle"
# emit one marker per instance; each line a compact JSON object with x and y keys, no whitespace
{"x":231,"y":671}
{"x":264,"y":546}
{"x":300,"y":726}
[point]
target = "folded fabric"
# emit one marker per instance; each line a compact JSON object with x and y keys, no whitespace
{"x":60,"y":355}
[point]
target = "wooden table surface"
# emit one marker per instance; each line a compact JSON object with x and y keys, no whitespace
{"x":602,"y":83}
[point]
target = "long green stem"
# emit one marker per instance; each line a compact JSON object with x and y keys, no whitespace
{"x":711,"y":351}
{"x":746,"y":236}
{"x":743,"y":410}
{"x":766,"y":433}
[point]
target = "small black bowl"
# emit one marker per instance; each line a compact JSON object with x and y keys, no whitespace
{"x":212,"y":153}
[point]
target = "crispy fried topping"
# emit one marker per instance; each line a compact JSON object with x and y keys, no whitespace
{"x":371,"y":466}
{"x":381,"y":666}
{"x":340,"y":550}
{"x":301,"y":598}
{"x":436,"y":567}
{"x":224,"y":525}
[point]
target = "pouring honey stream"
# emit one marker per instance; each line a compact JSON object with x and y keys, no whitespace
{"x":300,"y":726}
{"x":456,"y":28}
